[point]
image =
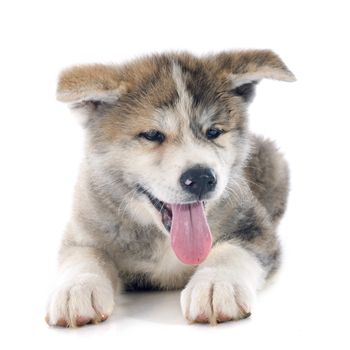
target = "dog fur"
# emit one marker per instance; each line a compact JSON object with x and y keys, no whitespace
{"x":115,"y":239}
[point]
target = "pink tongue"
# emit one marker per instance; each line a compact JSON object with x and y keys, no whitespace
{"x":190,"y":234}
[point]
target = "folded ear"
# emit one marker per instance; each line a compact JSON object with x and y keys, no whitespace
{"x":246,"y":68}
{"x":90,"y":85}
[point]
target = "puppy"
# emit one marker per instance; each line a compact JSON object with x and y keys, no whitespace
{"x":174,"y":191}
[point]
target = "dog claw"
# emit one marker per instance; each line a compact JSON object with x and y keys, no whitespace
{"x":246,"y":315}
{"x":62,"y":323}
{"x":223,"y":318}
{"x":103,"y":317}
{"x":82,"y":321}
{"x":202,"y":318}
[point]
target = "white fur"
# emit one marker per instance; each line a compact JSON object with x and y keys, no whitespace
{"x":184,"y":105}
{"x":84,"y":291}
{"x":85,"y":295}
{"x":170,"y":270}
{"x":224,"y":286}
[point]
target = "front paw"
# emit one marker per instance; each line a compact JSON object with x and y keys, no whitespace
{"x":87,"y":298}
{"x":212,"y":297}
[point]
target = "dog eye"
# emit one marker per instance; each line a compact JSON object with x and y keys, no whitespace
{"x":153,"y":135}
{"x":213,"y":133}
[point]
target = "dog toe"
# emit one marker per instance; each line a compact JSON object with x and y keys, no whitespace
{"x":82,"y":321}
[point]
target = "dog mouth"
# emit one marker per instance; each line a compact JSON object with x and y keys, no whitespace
{"x":190,"y":234}
{"x":163,"y":208}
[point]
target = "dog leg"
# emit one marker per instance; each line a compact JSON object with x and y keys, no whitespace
{"x":87,"y":286}
{"x":224,"y":287}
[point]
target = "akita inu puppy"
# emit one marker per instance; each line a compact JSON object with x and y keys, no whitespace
{"x":174,"y":192}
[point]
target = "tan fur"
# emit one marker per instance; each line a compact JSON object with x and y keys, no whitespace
{"x":90,"y":81}
{"x":254,"y":63}
{"x":83,"y":81}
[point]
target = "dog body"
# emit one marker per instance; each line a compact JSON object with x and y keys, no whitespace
{"x":174,"y":192}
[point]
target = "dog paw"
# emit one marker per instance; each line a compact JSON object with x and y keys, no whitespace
{"x":213,"y":300}
{"x":88,"y":298}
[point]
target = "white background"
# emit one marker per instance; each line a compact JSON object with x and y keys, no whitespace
{"x":41,"y":146}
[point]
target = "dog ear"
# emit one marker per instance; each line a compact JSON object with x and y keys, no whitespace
{"x":245,"y":69}
{"x":89,"y":86}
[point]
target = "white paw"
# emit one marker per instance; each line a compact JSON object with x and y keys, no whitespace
{"x":88,"y":298}
{"x":216,"y":296}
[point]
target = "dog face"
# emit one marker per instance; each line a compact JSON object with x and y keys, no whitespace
{"x":169,"y":129}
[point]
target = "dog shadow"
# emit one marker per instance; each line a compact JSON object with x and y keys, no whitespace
{"x":150,"y":306}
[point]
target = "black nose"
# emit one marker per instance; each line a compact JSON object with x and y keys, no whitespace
{"x":198,"y":181}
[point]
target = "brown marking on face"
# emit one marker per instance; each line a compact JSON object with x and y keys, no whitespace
{"x":205,"y":77}
{"x":123,"y":100}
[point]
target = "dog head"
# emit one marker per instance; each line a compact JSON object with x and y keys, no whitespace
{"x":169,"y":128}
